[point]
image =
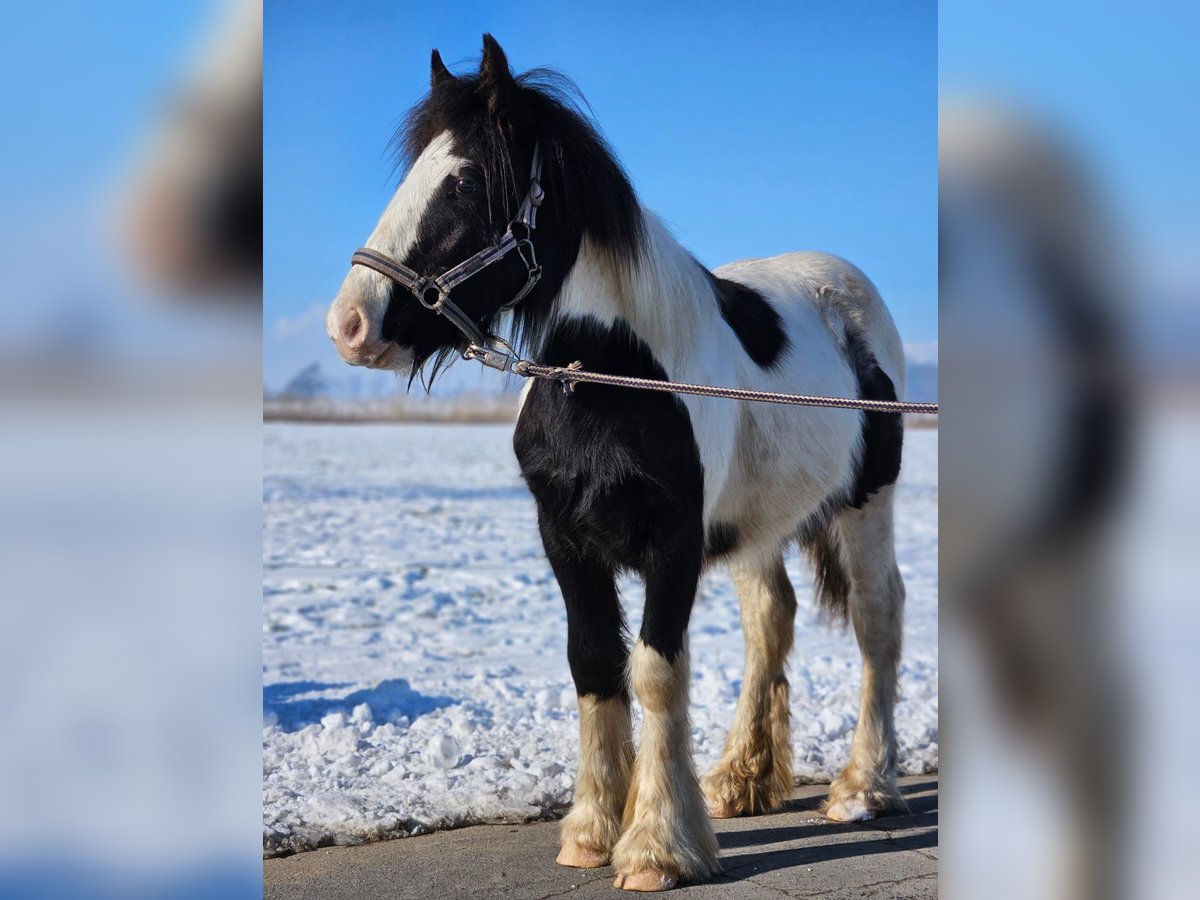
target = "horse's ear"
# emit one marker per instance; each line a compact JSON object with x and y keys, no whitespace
{"x":496,"y":81}
{"x":438,"y":73}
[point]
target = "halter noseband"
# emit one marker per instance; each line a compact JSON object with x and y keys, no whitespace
{"x":434,"y":293}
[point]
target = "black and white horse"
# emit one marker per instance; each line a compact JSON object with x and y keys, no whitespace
{"x":654,"y":483}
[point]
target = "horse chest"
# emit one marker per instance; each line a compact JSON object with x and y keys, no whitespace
{"x":613,"y":471}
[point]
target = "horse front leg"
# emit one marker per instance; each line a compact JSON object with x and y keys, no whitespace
{"x":598,"y":654}
{"x":667,"y":836}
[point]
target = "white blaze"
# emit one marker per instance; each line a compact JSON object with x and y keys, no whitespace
{"x":395,"y":235}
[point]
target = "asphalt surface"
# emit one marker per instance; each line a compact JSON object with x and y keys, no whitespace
{"x":791,"y":853}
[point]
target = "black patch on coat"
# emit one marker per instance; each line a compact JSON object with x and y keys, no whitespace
{"x":619,"y":486}
{"x":879,"y":465}
{"x":882,"y":432}
{"x":757,"y":325}
{"x":597,"y":640}
{"x":721,"y":539}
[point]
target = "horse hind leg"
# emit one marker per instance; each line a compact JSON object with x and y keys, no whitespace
{"x":859,"y":578}
{"x":754,"y":774}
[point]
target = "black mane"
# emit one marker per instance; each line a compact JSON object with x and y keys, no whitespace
{"x":588,"y":194}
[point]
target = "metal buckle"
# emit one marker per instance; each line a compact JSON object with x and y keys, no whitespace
{"x":493,"y":358}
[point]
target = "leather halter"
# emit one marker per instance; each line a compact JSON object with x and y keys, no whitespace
{"x":434,"y":293}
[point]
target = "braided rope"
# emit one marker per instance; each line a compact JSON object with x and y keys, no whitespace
{"x":570,"y":375}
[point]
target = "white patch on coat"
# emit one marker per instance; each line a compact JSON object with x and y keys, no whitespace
{"x":367,"y":290}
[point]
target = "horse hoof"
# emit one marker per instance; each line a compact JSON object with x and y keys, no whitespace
{"x":648,"y":880}
{"x":580,"y":857}
{"x":851,"y":809}
{"x":728,"y":796}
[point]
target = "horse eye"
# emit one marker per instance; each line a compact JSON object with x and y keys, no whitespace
{"x":465,"y":186}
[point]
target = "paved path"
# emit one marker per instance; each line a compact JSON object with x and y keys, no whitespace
{"x":793,"y":853}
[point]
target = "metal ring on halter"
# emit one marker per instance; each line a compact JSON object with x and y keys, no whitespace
{"x":533,"y":272}
{"x":421,"y":291}
{"x":531,"y":264}
{"x":517,"y":223}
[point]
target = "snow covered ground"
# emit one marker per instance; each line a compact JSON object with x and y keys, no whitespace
{"x":414,"y":640}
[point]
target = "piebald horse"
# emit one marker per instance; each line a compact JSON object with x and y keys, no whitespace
{"x":656,"y":484}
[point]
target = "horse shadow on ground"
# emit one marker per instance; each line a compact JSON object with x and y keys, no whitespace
{"x":915,"y":829}
{"x":293,"y":706}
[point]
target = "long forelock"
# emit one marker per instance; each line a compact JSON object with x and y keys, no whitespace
{"x":570,"y":142}
{"x":456,"y":107}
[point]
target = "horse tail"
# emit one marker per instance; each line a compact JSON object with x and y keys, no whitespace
{"x":824,"y":549}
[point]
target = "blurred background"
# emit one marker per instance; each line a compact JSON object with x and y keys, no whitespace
{"x":1069,"y":280}
{"x":130,"y":244}
{"x":132,"y":369}
{"x":414,"y":638}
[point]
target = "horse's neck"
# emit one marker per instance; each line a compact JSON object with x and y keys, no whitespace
{"x":665,"y":297}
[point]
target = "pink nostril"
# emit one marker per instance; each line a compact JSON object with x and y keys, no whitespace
{"x":353,"y":331}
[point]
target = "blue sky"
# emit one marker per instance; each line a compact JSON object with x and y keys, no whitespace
{"x":751,"y":130}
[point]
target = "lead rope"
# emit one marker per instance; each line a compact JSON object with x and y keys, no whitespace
{"x":569,"y":376}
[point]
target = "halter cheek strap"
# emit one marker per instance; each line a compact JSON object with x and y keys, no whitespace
{"x":434,"y":293}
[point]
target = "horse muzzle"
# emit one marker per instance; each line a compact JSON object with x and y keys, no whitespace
{"x":358,"y":340}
